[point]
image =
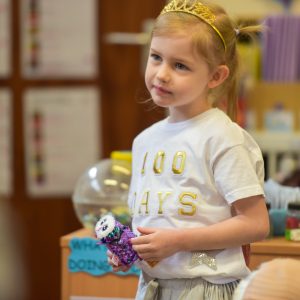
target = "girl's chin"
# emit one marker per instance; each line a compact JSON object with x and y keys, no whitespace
{"x":161,"y":102}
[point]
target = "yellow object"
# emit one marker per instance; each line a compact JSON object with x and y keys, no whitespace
{"x":121,"y":155}
{"x":197,"y":9}
{"x":250,"y":58}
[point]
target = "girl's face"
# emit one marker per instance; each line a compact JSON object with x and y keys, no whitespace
{"x":176,"y":77}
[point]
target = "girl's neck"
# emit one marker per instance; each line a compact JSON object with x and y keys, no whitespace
{"x":179,"y":115}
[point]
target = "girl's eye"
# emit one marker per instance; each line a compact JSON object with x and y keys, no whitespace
{"x":155,"y":57}
{"x":180,"y":66}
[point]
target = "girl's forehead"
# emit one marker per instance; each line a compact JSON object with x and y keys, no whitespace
{"x":177,"y":38}
{"x":179,"y":44}
{"x":192,"y":35}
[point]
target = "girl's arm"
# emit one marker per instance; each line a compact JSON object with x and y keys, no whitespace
{"x":249,"y":224}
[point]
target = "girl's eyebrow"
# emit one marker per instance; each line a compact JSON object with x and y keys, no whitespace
{"x":177,"y":59}
{"x":151,"y":49}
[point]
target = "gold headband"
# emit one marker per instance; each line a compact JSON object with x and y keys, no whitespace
{"x":197,"y":9}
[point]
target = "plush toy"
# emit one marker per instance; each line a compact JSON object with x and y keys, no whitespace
{"x":116,"y":237}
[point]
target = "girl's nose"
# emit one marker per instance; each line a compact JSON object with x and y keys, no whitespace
{"x":163,"y":74}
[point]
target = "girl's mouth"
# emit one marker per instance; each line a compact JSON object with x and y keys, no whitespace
{"x":160,"y":90}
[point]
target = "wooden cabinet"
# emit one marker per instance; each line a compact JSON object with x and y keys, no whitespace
{"x":273,"y":248}
{"x":83,"y":284}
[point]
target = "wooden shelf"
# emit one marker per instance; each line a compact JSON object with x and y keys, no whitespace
{"x":273,"y":248}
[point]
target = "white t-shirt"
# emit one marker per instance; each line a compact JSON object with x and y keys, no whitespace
{"x":187,"y":174}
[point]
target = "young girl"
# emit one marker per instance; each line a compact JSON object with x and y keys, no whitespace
{"x":196,"y":189}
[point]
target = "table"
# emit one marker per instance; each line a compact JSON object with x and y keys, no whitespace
{"x":272,"y":248}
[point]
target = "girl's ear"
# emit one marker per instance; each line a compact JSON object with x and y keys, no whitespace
{"x":219,"y":76}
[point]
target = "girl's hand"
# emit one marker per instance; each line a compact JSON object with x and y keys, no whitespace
{"x":116,"y":266}
{"x":154,"y":244}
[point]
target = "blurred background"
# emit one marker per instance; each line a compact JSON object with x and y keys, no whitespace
{"x":72,"y":91}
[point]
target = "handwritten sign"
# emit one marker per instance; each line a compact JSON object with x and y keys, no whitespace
{"x":86,"y":256}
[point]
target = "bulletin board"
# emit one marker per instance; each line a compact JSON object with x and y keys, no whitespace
{"x":61,"y":137}
{"x":5,"y":142}
{"x":58,"y":39}
{"x":5,"y":38}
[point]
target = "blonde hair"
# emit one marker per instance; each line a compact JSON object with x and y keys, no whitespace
{"x":210,"y":46}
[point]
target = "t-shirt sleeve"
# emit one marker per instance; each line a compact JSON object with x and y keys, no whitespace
{"x":239,"y":173}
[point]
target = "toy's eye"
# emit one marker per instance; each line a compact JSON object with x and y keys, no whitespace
{"x":104,"y":227}
{"x":103,"y":221}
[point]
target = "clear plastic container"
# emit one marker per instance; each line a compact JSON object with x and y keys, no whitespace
{"x":103,"y":188}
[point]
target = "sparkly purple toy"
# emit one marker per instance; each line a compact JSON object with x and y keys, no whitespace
{"x":116,"y":237}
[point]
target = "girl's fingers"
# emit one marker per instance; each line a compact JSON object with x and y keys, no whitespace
{"x":114,"y":262}
{"x":139,"y":240}
{"x":121,"y":268}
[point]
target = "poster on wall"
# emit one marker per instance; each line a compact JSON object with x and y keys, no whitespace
{"x":5,"y":142}
{"x":61,"y":137}
{"x":58,"y":38}
{"x":5,"y":38}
